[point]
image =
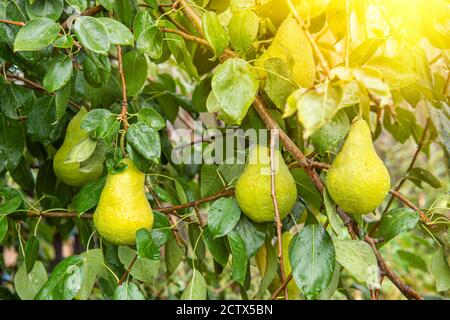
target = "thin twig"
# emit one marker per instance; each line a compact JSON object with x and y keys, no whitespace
{"x":423,"y":217}
{"x":282,"y":287}
{"x":407,"y":291}
{"x":15,"y":23}
{"x":191,"y":14}
{"x":273,"y":136}
{"x":125,"y":274}
{"x":186,"y":36}
{"x":123,"y":114}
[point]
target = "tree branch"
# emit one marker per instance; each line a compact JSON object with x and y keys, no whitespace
{"x":125,"y":274}
{"x":191,"y":14}
{"x":15,"y":23}
{"x":407,"y":291}
{"x":123,"y":114}
{"x":423,"y":217}
{"x":273,"y":135}
{"x":168,"y":210}
{"x":187,"y":36}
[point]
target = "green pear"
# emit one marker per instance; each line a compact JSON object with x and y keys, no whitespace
{"x":70,"y":173}
{"x":123,"y":207}
{"x":358,"y":180}
{"x":253,"y":189}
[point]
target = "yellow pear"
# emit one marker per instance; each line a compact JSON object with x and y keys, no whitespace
{"x":123,"y":207}
{"x":293,"y":47}
{"x":70,"y":173}
{"x":253,"y":189}
{"x":358,"y":180}
{"x":261,"y":263}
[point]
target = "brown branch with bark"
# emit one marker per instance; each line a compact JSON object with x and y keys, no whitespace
{"x":273,"y":136}
{"x":168,"y":210}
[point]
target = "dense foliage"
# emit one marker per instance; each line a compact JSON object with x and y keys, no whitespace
{"x":143,"y":69}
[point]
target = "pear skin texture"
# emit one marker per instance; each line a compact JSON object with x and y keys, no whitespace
{"x":293,"y":47}
{"x":358,"y":180}
{"x":253,"y":189}
{"x":69,"y":173}
{"x":123,"y":208}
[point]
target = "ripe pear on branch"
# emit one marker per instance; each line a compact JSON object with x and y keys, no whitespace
{"x":291,"y":45}
{"x":253,"y":189}
{"x":70,"y":172}
{"x":123,"y":207}
{"x":358,"y":180}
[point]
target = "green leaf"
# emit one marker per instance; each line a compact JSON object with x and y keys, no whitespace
{"x":135,"y":68}
{"x":235,"y":85}
{"x":3,"y":227}
{"x":62,"y":98}
{"x":215,"y":32}
{"x":58,"y":73}
{"x":118,"y":33}
{"x":128,"y":291}
{"x":395,"y":74}
{"x":152,"y":118}
{"x":36,"y":35}
{"x":93,"y":266}
{"x":252,"y":234}
{"x":336,"y":223}
{"x":312,"y":257}
{"x":306,"y":188}
{"x":362,"y":53}
{"x":145,"y":140}
{"x":329,"y":138}
{"x":395,"y":222}
{"x":92,"y":34}
{"x":144,"y":269}
{"x":418,"y":175}
{"x":82,"y":151}
{"x":78,"y":5}
{"x":337,"y":18}
{"x":65,"y":280}
{"x":51,"y":9}
{"x":196,"y":290}
{"x":173,"y":255}
{"x":89,"y":195}
{"x":142,"y":22}
{"x":315,"y":108}
{"x":12,"y":142}
{"x":150,"y":42}
{"x":271,"y":269}
{"x":64,"y":41}
{"x":27,"y":285}
{"x":358,"y":258}
{"x":441,"y":271}
{"x":239,"y":257}
{"x":223,"y":215}
{"x":243,"y":29}
{"x":146,"y":246}
{"x":279,"y":85}
{"x":439,"y":115}
{"x":31,"y":253}
{"x":412,"y":260}
{"x":210,"y":182}
{"x":217,"y":247}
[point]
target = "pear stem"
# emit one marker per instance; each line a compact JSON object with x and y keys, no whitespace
{"x":273,"y":138}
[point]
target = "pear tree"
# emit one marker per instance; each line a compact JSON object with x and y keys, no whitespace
{"x":223,"y":149}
